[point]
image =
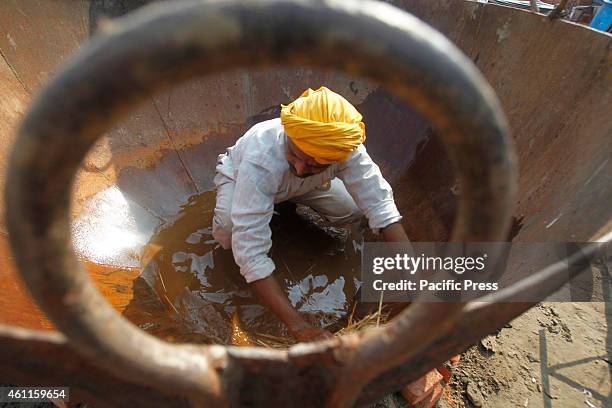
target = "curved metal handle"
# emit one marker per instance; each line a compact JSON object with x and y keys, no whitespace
{"x":164,"y":44}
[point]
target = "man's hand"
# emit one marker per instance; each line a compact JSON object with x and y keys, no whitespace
{"x":306,"y":332}
{"x":271,"y":295}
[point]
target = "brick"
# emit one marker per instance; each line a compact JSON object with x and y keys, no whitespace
{"x":421,"y":388}
{"x":431,"y":400}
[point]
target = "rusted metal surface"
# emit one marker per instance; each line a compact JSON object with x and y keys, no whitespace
{"x":427,"y":71}
{"x":35,"y":357}
{"x":562,"y":195}
{"x":18,"y":308}
{"x":495,"y":37}
{"x":557,"y":96}
{"x":30,"y":35}
{"x":12,"y":107}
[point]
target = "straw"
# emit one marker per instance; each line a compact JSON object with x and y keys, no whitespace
{"x":381,"y":316}
{"x":168,"y":302}
{"x":379,"y":308}
{"x":371,"y":320}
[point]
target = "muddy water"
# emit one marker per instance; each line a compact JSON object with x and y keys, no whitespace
{"x":204,"y":294}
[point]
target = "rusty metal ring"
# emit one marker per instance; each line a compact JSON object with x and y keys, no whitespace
{"x":164,"y":44}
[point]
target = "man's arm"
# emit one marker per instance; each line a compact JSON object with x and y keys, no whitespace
{"x":371,"y":192}
{"x":252,"y":208}
{"x":271,"y":295}
{"x":394,"y":233}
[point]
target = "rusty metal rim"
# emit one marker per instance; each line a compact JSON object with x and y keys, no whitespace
{"x":169,"y":43}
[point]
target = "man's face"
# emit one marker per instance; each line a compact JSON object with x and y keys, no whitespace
{"x":301,"y":164}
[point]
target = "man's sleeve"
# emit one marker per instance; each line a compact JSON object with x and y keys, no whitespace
{"x":371,"y":192}
{"x":252,"y":209}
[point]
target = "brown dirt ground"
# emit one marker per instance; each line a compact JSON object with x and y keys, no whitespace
{"x":557,"y":355}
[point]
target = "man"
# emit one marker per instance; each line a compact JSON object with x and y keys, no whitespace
{"x":313,"y":155}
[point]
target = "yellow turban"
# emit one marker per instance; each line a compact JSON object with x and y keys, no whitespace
{"x":323,"y":125}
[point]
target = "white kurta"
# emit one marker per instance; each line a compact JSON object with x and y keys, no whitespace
{"x":258,"y":167}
